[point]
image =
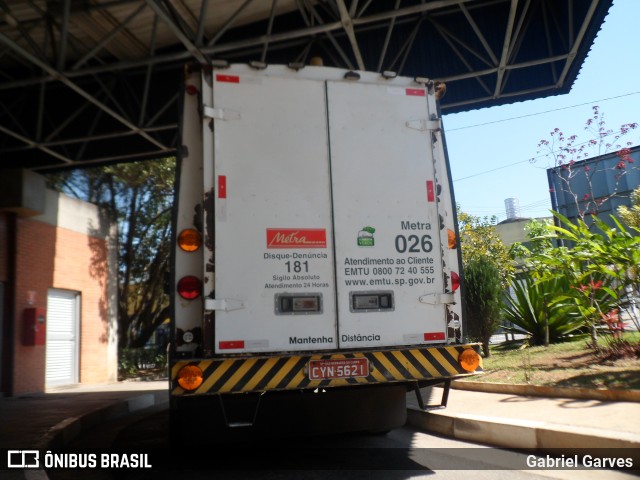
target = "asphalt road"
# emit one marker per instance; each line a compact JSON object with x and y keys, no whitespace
{"x":401,"y":454}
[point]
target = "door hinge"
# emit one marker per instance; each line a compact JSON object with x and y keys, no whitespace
{"x":424,"y":125}
{"x":224,"y":304}
{"x":438,"y":299}
{"x":221,"y":113}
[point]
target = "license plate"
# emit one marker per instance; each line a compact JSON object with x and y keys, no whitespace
{"x":338,"y":368}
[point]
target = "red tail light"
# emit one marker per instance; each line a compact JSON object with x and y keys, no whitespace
{"x":189,"y":287}
{"x":455,"y":281}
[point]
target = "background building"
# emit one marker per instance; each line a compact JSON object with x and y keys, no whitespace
{"x":512,"y":229}
{"x":57,"y":288}
{"x":596,"y":185}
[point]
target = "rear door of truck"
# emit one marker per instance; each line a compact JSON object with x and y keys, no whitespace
{"x":326,"y":223}
{"x":274,"y":267}
{"x":387,"y":232}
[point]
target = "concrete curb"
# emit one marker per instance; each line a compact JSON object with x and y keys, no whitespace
{"x":549,"y":392}
{"x":65,"y":431}
{"x":510,"y":433}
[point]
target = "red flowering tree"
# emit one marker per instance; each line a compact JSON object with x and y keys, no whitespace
{"x":578,"y":180}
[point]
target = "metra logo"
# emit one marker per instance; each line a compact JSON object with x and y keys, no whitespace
{"x":296,"y":238}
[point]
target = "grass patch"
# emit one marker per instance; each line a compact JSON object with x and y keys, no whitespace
{"x":567,"y":364}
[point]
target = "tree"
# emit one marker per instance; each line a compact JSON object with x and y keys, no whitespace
{"x":138,"y":197}
{"x":565,"y":151}
{"x":483,"y":293}
{"x":479,"y":239}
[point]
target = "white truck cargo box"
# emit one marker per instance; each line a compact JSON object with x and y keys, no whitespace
{"x":327,"y":230}
{"x":316,"y":258}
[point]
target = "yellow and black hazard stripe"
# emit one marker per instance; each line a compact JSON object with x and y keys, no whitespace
{"x":260,"y":374}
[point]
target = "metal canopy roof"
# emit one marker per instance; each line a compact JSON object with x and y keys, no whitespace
{"x":86,"y":82}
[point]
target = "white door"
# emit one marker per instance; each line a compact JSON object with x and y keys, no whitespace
{"x":274,"y":271}
{"x":386,"y":222}
{"x":62,"y":337}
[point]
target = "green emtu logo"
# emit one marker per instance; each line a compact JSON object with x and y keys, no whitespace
{"x":365,"y":237}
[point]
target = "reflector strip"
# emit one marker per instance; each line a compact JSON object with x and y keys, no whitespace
{"x":416,"y":92}
{"x":212,"y":375}
{"x":284,"y":371}
{"x":425,"y":367}
{"x":434,"y":336}
{"x":278,"y":373}
{"x":387,"y":368}
{"x":406,"y":362}
{"x":435,"y":362}
{"x":222,"y":186}
{"x":239,"y":374}
{"x":252,"y":382}
{"x":229,"y":345}
{"x":228,"y":78}
{"x":277,"y":364}
{"x":431,"y":193}
{"x":445,"y":362}
{"x":295,"y":376}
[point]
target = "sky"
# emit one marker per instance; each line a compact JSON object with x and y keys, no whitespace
{"x":490,"y":149}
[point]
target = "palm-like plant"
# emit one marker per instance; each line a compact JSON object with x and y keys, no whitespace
{"x":533,"y":310}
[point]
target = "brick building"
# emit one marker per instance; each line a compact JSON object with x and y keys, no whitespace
{"x":57,"y":289}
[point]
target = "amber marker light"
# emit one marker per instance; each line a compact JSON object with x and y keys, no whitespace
{"x":190,"y":377}
{"x":451,"y":239}
{"x":469,"y":360}
{"x":189,"y":240}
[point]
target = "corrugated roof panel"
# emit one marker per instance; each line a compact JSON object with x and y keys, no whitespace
{"x":61,"y":111}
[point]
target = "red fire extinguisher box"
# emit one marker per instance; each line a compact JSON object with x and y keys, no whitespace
{"x":34,"y":326}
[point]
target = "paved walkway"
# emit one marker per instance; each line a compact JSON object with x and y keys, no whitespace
{"x":519,"y":421}
{"x":52,"y":419}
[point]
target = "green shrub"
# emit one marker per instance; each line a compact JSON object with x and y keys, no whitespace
{"x":483,"y":293}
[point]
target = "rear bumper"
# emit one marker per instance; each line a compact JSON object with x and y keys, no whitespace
{"x":290,"y":372}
